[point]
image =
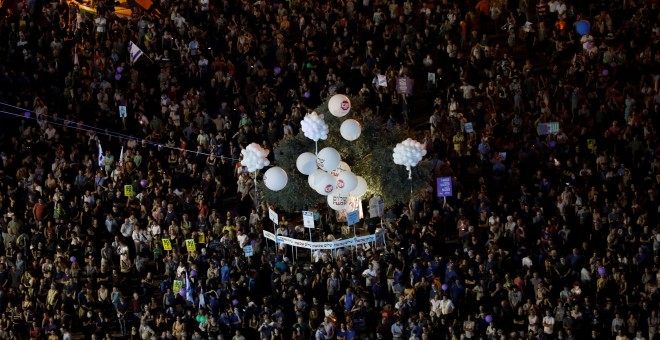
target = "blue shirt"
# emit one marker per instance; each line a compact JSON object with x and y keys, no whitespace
{"x":224,"y":274}
{"x":397,"y":330}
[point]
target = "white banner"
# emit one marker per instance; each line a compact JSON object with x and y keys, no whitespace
{"x":349,"y":242}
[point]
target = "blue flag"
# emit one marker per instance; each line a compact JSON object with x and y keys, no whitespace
{"x":202,"y":301}
{"x":189,"y":296}
{"x":101,"y":158}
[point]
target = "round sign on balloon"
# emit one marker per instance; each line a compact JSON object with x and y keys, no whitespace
{"x":275,"y":178}
{"x":324,"y":184}
{"x":339,"y":105}
{"x":328,"y":159}
{"x":337,"y":201}
{"x":306,"y":163}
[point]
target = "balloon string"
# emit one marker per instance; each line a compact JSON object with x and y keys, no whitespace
{"x":256,"y":194}
{"x":411,"y":192}
{"x":317,"y":147}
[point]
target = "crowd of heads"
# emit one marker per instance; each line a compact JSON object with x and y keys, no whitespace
{"x":548,"y":233}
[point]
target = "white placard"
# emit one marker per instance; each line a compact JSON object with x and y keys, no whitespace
{"x":273,"y":216}
{"x":308,"y":219}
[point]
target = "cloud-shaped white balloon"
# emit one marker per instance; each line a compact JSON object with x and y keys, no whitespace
{"x":409,"y":152}
{"x":314,"y":127}
{"x":254,"y":157}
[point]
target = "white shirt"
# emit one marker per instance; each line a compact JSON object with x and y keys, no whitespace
{"x":550,"y":322}
{"x":369,"y":273}
{"x":446,"y":306}
{"x":100,"y":24}
{"x":561,"y":11}
{"x":155,"y":230}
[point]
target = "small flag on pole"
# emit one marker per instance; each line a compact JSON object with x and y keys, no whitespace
{"x":121,"y":157}
{"x":189,"y":296}
{"x":202,"y":301}
{"x":101,"y":158}
{"x":135,"y":52}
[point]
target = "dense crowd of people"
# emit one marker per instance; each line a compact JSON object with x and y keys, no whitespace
{"x":548,"y":234}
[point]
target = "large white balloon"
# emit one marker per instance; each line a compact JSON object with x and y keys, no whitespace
{"x":275,"y":178}
{"x":337,"y":201}
{"x":361,"y":187}
{"x":346,"y":182}
{"x":350,"y":130}
{"x":328,"y":159}
{"x":306,"y":163}
{"x":339,"y":105}
{"x":324,"y":184}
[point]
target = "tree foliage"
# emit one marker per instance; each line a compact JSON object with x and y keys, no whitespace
{"x":370,"y":156}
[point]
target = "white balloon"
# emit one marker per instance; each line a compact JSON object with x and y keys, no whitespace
{"x":337,"y":201}
{"x":346,"y":182}
{"x":340,"y":168}
{"x":311,"y":180}
{"x":350,"y":130}
{"x":361,"y":187}
{"x":339,"y":105}
{"x":275,"y":178}
{"x":328,"y":159}
{"x":306,"y":163}
{"x":343,"y":166}
{"x":324,"y":184}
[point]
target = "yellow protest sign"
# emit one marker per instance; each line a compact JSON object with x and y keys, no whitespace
{"x":167,"y":244}
{"x":201,"y":238}
{"x":591,"y":143}
{"x":177,"y":285}
{"x":190,"y":245}
{"x":128,"y":190}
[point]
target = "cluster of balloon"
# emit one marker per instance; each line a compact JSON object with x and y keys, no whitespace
{"x":314,"y":127}
{"x":409,"y":153}
{"x":118,"y":74}
{"x":254,"y":157}
{"x":327,"y":174}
